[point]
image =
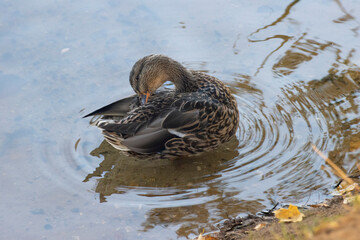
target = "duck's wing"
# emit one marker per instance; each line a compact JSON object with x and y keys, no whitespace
{"x":118,"y":108}
{"x":148,"y":137}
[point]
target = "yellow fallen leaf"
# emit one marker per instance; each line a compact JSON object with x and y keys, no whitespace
{"x":289,"y":215}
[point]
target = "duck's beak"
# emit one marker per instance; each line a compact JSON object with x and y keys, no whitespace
{"x":144,"y":98}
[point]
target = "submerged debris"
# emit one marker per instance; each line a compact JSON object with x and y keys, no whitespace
{"x":237,"y":227}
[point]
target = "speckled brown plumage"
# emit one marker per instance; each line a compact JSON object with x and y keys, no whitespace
{"x":197,"y":116}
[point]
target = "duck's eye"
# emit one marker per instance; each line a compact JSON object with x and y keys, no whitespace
{"x":137,"y":78}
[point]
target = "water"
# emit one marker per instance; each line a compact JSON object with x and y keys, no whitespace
{"x":293,"y":67}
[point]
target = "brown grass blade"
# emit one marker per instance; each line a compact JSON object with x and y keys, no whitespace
{"x":337,"y":170}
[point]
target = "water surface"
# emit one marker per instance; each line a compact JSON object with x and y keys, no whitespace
{"x":292,"y":65}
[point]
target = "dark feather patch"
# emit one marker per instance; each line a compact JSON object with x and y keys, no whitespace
{"x":150,"y":142}
{"x":118,"y":108}
{"x":177,"y":119}
{"x":128,"y":129}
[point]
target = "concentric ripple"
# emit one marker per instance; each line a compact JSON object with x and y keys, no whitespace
{"x":271,"y":154}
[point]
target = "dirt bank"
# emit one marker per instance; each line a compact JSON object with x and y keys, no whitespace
{"x":331,"y":220}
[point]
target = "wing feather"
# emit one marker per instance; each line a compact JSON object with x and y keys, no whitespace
{"x":118,"y":108}
{"x":149,"y":135}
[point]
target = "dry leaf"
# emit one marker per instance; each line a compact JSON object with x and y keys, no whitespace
{"x":289,"y":215}
{"x":201,"y":237}
{"x":348,"y":189}
{"x":319,"y":205}
{"x":210,"y":238}
{"x":349,"y":199}
{"x":260,"y":226}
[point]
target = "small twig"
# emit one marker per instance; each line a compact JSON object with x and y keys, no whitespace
{"x":337,"y":171}
{"x":337,"y":185}
{"x":270,"y":212}
{"x":274,"y":207}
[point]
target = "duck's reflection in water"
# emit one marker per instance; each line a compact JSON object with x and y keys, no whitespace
{"x":118,"y":173}
{"x":173,"y":181}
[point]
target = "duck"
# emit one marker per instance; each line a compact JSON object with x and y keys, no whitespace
{"x":196,"y":116}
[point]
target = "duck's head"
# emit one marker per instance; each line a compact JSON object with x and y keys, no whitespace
{"x":152,"y":71}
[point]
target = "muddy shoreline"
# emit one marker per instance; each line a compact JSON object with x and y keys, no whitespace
{"x":331,"y":219}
